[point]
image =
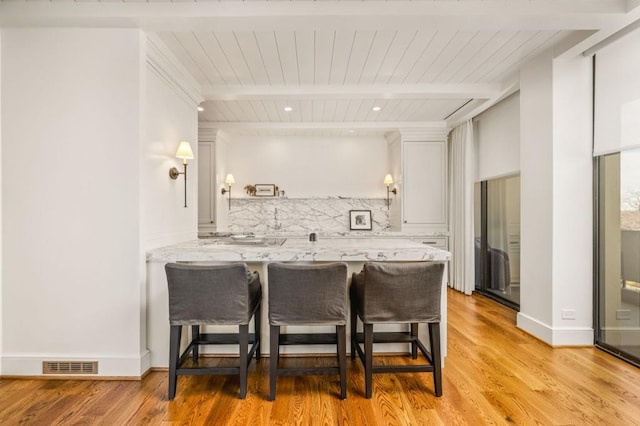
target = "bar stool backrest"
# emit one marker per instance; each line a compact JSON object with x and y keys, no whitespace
{"x":400,"y":292}
{"x":211,"y":294}
{"x":309,"y":294}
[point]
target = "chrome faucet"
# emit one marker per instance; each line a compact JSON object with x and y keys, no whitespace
{"x":275,"y":220}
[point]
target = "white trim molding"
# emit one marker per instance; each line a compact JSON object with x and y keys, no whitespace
{"x":15,"y":364}
{"x":555,"y":336}
{"x":163,"y":62}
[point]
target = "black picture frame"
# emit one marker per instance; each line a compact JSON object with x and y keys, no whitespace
{"x":360,"y":220}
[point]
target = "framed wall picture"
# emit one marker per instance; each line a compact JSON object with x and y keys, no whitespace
{"x":360,"y":220}
{"x":265,"y":190}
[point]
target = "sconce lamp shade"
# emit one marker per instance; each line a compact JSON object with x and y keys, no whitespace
{"x":228,"y":181}
{"x":388,"y":181}
{"x":184,"y":151}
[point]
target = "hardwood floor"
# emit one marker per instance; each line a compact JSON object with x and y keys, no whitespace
{"x":494,"y":374}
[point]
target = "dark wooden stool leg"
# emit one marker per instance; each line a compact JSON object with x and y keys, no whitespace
{"x":174,"y":354}
{"x":414,"y":335}
{"x":341,"y":331}
{"x":244,"y":358}
{"x":274,"y":354}
{"x":434,"y":341}
{"x":368,"y":359}
{"x":257,"y":321}
{"x":195,"y":336}
{"x":354,"y":330}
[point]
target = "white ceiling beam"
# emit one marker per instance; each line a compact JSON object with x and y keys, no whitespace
{"x":407,"y":91}
{"x":268,"y":16}
{"x":373,"y":125}
{"x":508,"y":88}
{"x":608,"y":33}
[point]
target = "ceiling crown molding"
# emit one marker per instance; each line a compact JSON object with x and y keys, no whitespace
{"x":162,"y":61}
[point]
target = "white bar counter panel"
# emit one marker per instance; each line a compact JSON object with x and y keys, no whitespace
{"x":354,"y":251}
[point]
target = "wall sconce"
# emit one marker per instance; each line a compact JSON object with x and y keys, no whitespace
{"x":228,"y":181}
{"x":184,"y":151}
{"x":388,"y":180}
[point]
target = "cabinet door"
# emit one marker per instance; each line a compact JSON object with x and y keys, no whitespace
{"x":425,"y":183}
{"x":206,"y":179}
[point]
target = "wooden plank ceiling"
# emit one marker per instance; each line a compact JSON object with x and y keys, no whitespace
{"x":365,"y":64}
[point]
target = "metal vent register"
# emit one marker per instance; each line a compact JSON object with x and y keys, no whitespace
{"x":70,"y":367}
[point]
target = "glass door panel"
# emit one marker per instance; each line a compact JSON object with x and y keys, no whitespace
{"x":497,"y":242}
{"x":618,"y":280}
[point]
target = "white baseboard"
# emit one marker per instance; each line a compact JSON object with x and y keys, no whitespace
{"x":31,"y":365}
{"x":559,"y":336}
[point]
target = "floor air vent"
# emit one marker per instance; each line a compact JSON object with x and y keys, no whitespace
{"x":70,"y":367}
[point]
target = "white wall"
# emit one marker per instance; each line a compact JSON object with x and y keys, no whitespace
{"x":395,"y":168}
{"x":536,"y":195}
{"x":308,"y":166}
{"x":71,"y":204}
{"x":222,"y":140}
{"x":1,"y":221}
{"x":556,"y":200}
{"x":497,"y":140}
{"x":572,"y":201}
{"x":169,"y":117}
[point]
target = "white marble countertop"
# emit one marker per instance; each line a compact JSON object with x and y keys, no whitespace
{"x":299,"y":249}
{"x":348,"y":234}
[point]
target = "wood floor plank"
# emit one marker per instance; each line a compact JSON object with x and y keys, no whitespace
{"x":494,"y":374}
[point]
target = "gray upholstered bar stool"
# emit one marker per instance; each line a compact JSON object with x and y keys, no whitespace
{"x":397,"y":293}
{"x":307,"y":294}
{"x":224,"y":294}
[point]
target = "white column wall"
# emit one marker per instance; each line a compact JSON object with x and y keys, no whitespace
{"x":169,"y":117}
{"x":572,"y":202}
{"x":222,"y":169}
{"x":536,"y":197}
{"x":1,"y":221}
{"x":556,"y":200}
{"x":71,"y":203}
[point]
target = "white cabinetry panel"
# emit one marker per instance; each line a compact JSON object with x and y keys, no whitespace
{"x":425,"y":183}
{"x":206,"y":185}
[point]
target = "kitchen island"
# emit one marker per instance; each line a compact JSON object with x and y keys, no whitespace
{"x":258,"y":253}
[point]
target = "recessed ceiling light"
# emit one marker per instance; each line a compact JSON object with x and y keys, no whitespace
{"x":200,"y":109}
{"x":288,"y":109}
{"x":351,"y":131}
{"x":376,"y":108}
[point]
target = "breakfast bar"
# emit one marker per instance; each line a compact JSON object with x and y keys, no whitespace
{"x":258,"y":253}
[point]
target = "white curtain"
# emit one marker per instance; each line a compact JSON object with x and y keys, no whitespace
{"x":461,"y":241}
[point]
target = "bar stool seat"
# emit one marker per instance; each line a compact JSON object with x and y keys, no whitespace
{"x":396,"y":293}
{"x":307,"y":294}
{"x":221,"y":294}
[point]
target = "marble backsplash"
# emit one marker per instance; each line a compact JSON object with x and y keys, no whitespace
{"x":302,"y":215}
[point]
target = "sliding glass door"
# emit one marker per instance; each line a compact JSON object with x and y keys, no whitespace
{"x":618,"y":254}
{"x":497,"y":231}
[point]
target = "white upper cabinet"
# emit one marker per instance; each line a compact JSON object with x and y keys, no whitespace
{"x":418,"y":160}
{"x":425,"y":183}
